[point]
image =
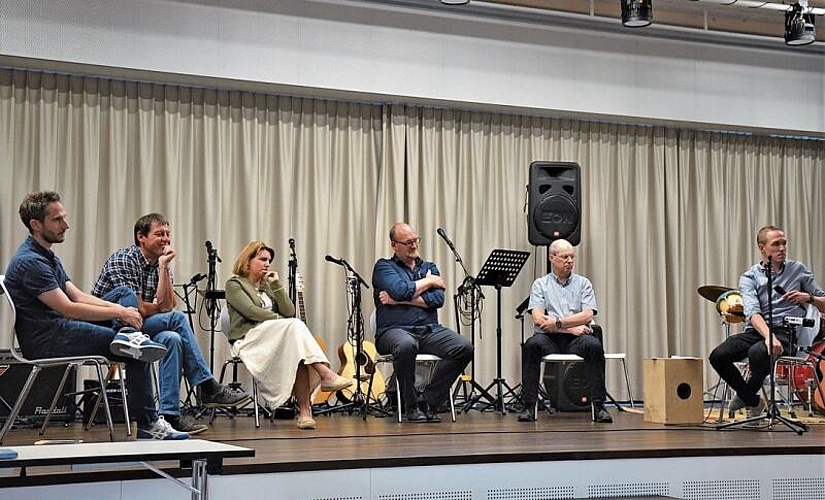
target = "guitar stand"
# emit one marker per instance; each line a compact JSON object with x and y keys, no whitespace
{"x":500,"y":270}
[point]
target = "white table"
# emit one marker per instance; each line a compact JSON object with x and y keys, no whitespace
{"x":206,"y":456}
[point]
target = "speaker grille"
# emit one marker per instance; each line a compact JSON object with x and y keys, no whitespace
{"x":627,"y":490}
{"x":812,"y":488}
{"x":734,"y":489}
{"x":431,"y":495}
{"x":541,"y":493}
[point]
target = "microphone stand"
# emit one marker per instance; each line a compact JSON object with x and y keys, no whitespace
{"x":211,"y":296}
{"x":773,"y":409}
{"x":293,"y":271}
{"x":468,"y":287}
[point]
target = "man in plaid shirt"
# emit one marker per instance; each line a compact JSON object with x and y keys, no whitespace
{"x":144,"y":268}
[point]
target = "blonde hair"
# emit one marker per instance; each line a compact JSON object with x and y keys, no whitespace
{"x":241,"y":267}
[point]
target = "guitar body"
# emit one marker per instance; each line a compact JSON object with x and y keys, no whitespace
{"x":348,"y":356}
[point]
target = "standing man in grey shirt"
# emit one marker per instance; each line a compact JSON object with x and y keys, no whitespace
{"x":562,"y":305}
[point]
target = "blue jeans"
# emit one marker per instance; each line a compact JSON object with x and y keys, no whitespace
{"x":79,"y":338}
{"x":173,"y":331}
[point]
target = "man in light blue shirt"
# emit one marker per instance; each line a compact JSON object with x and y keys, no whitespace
{"x":562,"y":305}
{"x":794,"y":289}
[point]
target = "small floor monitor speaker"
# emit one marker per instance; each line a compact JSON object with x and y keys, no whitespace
{"x":554,"y":202}
{"x":566,"y":386}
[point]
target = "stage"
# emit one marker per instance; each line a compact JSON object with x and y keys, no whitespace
{"x":483,"y":455}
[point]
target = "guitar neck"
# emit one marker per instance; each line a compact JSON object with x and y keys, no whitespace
{"x":302,"y":313}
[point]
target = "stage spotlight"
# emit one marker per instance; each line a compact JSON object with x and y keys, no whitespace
{"x":455,"y":2}
{"x":800,"y":28}
{"x":637,"y":13}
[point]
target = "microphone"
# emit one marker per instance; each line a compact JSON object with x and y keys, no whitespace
{"x":292,"y":244}
{"x":211,"y":251}
{"x":340,"y":262}
{"x":444,"y":235}
{"x":781,"y":291}
{"x":197,"y":278}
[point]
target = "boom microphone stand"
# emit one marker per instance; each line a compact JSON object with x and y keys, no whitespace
{"x":212,"y":295}
{"x":470,"y":292}
{"x":355,"y":335}
{"x":293,"y":271}
{"x":773,"y":409}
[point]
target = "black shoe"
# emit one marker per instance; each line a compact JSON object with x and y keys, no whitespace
{"x":601,"y":416}
{"x":428,"y":412}
{"x":226,"y":397}
{"x":528,"y":414}
{"x":416,"y":416}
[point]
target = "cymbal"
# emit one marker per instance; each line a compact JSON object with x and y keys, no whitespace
{"x":712,"y":292}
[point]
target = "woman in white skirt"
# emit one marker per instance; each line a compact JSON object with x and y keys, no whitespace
{"x":277,"y":349}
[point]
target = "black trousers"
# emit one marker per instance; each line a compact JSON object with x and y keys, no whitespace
{"x":455,"y":352}
{"x":748,"y":344}
{"x":539,"y":345}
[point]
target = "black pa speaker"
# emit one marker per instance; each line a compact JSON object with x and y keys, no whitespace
{"x":566,"y":386}
{"x":554,"y":202}
{"x":36,"y":406}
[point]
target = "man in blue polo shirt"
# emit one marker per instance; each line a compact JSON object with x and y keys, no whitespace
{"x":55,"y":318}
{"x":408,"y":291}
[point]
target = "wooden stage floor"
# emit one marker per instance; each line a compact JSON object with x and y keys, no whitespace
{"x":347,"y":442}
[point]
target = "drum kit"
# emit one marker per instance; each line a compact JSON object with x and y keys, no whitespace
{"x":805,"y":376}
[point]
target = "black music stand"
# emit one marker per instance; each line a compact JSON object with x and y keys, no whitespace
{"x":499,"y":271}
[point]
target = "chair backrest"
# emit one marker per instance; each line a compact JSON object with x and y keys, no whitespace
{"x":10,"y":338}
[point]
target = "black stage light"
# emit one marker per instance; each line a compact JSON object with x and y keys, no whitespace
{"x":800,"y":28}
{"x":637,"y":13}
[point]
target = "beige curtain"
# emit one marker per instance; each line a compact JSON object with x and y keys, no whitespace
{"x":664,"y":210}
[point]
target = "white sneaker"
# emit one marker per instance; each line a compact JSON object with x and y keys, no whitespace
{"x":161,"y":429}
{"x":754,"y":412}
{"x":130,"y":343}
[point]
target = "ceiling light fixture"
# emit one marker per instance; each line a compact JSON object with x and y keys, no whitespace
{"x":455,"y":2}
{"x":800,"y":27}
{"x":637,"y":13}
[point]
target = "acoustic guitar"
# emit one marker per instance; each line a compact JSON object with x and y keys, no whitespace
{"x":320,"y":396}
{"x":349,"y":358}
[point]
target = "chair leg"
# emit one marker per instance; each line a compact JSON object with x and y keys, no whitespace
{"x":24,"y":393}
{"x":104,"y":383}
{"x":56,"y":397}
{"x":398,"y":399}
{"x":126,"y":417}
{"x":627,"y":381}
{"x":369,"y":392}
{"x":255,"y":402}
{"x":452,"y":399}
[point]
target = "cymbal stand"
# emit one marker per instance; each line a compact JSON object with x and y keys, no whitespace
{"x":773,"y":410}
{"x":724,"y":398}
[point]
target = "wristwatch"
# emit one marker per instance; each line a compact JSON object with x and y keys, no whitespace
{"x":558,"y":323}
{"x":810,"y":298}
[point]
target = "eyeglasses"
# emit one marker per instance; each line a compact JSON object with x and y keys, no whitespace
{"x":565,"y":257}
{"x":409,"y":243}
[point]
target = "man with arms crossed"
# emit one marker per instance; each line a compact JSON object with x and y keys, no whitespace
{"x":408,"y":293}
{"x":563,"y":305}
